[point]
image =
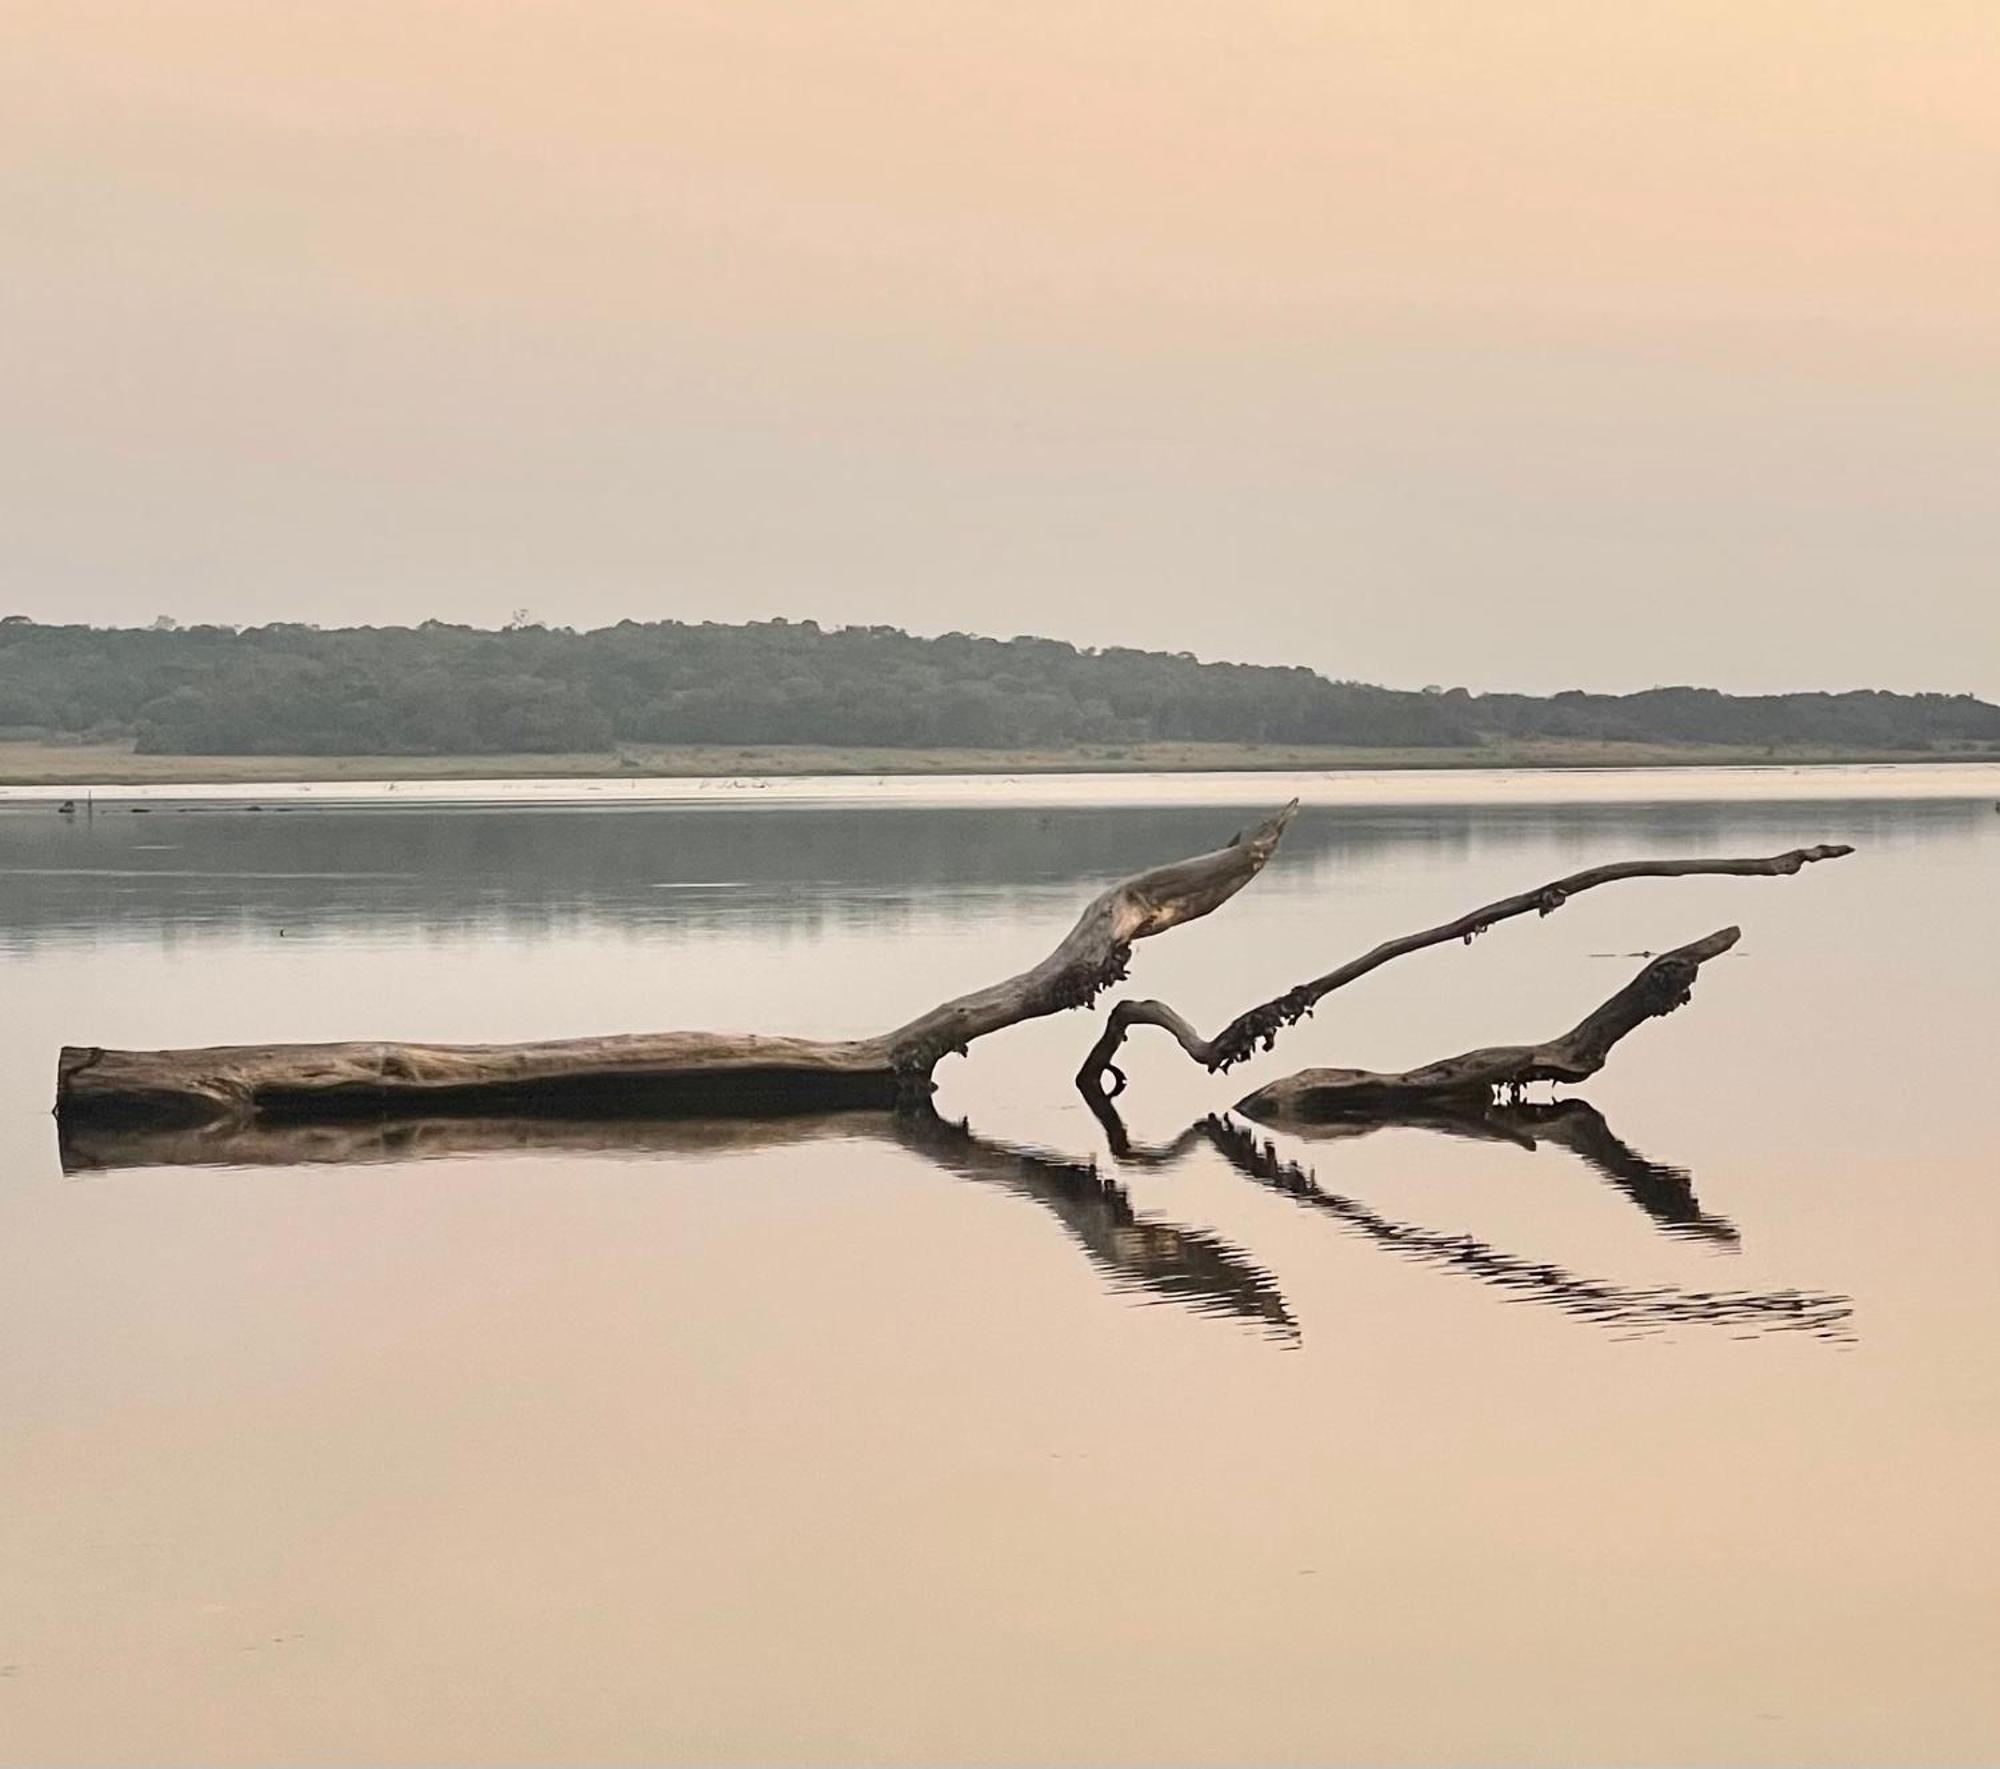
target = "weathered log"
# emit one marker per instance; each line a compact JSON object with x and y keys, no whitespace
{"x":1325,"y":1095}
{"x":656,"y":1072}
{"x":1258,"y":1027}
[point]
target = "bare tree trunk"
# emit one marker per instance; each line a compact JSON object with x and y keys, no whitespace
{"x":655,"y":1071}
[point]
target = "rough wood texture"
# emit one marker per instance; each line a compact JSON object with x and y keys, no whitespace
{"x":1324,"y":1095}
{"x":1258,"y":1028}
{"x":658,"y":1071}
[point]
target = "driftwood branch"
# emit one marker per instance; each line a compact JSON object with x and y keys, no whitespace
{"x":1332,"y":1094}
{"x":1258,"y":1027}
{"x":659,"y":1071}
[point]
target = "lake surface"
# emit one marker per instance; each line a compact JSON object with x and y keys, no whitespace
{"x":1672,"y":1438}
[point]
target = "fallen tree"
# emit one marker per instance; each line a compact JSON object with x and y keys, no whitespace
{"x":748,"y":1074}
{"x":1660,"y":988}
{"x":656,"y":1072}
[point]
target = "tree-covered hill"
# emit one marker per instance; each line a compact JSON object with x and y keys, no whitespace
{"x":452,"y":690}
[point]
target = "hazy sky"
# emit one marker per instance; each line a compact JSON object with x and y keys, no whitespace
{"x":1514,"y":345}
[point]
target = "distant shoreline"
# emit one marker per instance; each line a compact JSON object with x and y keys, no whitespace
{"x":81,"y":765}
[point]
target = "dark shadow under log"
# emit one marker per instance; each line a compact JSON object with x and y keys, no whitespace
{"x":1663,"y":1191}
{"x":1144,"y":1256}
{"x":654,"y":1072}
{"x":1135,"y":1254}
{"x":1623,"y":1308}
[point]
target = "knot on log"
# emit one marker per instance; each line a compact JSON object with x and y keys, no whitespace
{"x":1550,"y":899}
{"x":1667,"y":984}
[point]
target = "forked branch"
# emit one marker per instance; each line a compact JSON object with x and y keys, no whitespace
{"x":1329,"y":1094}
{"x":1258,"y":1027}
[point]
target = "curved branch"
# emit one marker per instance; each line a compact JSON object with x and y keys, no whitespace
{"x":1094,"y":954}
{"x":1258,"y":1028}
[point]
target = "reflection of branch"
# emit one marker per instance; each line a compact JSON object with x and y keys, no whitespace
{"x":1664,"y":985}
{"x":1258,"y":1028}
{"x":1604,"y":1304}
{"x":1664,"y":1192}
{"x":1124,"y":1149}
{"x":1174,"y":1264}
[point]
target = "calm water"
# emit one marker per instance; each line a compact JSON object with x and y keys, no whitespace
{"x":1672,"y":1438}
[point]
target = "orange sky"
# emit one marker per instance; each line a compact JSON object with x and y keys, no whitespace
{"x":1512,"y":345}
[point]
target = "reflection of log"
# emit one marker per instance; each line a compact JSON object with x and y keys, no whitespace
{"x":1134,"y":1254}
{"x":1258,"y":1028}
{"x":98,"y":1145}
{"x":662,"y":1071}
{"x":1638,"y":1309}
{"x":1325,"y":1094}
{"x":1168,"y":1261}
{"x":1664,"y":1192}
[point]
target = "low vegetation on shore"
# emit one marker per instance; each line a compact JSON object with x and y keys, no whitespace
{"x":670,"y":697}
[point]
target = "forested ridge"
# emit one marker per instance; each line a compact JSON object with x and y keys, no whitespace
{"x":438,"y":689}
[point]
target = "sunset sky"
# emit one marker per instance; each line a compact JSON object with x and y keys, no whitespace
{"x":1518,"y":346}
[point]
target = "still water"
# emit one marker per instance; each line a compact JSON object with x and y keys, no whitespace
{"x":1662,"y":1430}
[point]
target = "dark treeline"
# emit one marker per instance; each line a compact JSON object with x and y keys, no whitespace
{"x":452,"y":690}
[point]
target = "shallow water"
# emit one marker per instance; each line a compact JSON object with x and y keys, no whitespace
{"x":1669,"y":1439}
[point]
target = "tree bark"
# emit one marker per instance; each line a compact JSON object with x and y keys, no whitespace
{"x":1258,"y":1028}
{"x":1324,"y":1095}
{"x":656,"y":1072}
